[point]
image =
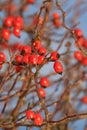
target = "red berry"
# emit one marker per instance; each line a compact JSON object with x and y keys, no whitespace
{"x":25,"y":58}
{"x":18,"y":22}
{"x":44,"y":82}
{"x":16,"y":31}
{"x":42,"y":92}
{"x":84,"y":99}
{"x":58,"y":67}
{"x":40,"y":60}
{"x":9,"y":21}
{"x":30,"y":114}
{"x":56,"y":16}
{"x":42,"y":51}
{"x":2,"y":57}
{"x":5,"y":34}
{"x":31,"y":1}
{"x":18,"y":58}
{"x":78,"y":33}
{"x":37,"y":44}
{"x":84,"y":61}
{"x":78,"y":55}
{"x":54,"y":56}
{"x":38,"y":120}
{"x":33,"y":59}
{"x":26,"y":49}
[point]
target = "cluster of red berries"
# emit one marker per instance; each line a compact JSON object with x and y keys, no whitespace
{"x":80,"y":57}
{"x":44,"y":82}
{"x":31,"y":115}
{"x":80,"y":38}
{"x":83,"y":42}
{"x":36,"y":55}
{"x":13,"y":24}
{"x":56,"y":20}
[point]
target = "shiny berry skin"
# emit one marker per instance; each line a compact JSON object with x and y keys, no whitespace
{"x":18,"y":58}
{"x":84,"y":99}
{"x":37,"y":44}
{"x":6,"y":34}
{"x":42,"y":51}
{"x":78,"y":32}
{"x":38,"y":120}
{"x":58,"y":67}
{"x":78,"y":55}
{"x":33,"y":59}
{"x":56,"y":16}
{"x":44,"y":82}
{"x":18,"y":22}
{"x":30,"y":114}
{"x":31,"y":1}
{"x":16,"y":31}
{"x":40,"y":60}
{"x":84,"y":61}
{"x":8,"y":21}
{"x":54,"y":56}
{"x":26,"y":49}
{"x":42,"y":92}
{"x":2,"y":57}
{"x":25,"y":59}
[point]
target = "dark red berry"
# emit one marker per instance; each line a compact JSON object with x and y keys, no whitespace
{"x":54,"y":56}
{"x":16,"y":31}
{"x":42,"y":51}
